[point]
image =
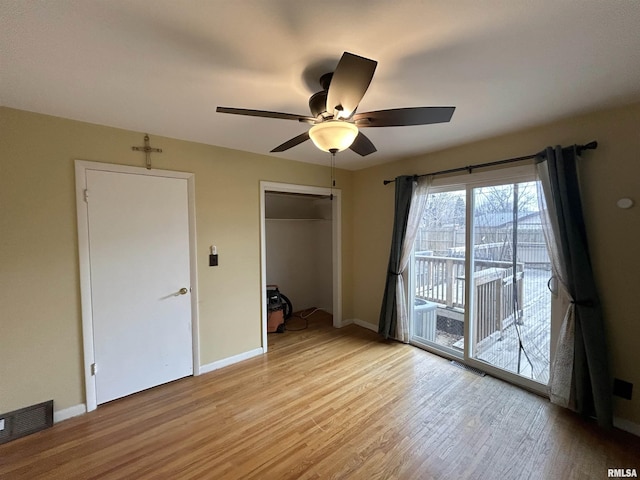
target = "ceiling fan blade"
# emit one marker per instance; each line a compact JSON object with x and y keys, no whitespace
{"x":401,"y":117}
{"x":303,"y":137}
{"x":266,"y":114}
{"x":362,"y":145}
{"x":349,"y":83}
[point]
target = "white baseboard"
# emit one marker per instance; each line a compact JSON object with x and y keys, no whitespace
{"x":627,"y":426}
{"x":363,"y":324}
{"x":70,"y":412}
{"x":344,"y":323}
{"x":360,"y":323}
{"x":210,"y":367}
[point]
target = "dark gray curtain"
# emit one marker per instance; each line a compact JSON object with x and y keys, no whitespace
{"x":592,"y":387}
{"x":388,"y":312}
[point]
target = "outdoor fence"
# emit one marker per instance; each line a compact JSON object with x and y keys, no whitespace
{"x":441,"y":239}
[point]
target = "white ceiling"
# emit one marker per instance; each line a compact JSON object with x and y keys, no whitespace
{"x":162,"y":66}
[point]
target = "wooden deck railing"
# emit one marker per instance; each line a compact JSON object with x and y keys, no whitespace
{"x":495,"y":307}
{"x":441,"y":280}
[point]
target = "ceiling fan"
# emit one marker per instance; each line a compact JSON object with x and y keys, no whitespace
{"x":335,"y":123}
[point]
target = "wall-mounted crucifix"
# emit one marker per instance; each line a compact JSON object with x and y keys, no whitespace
{"x":147,"y":150}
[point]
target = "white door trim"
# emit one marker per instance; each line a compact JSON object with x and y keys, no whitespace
{"x":336,"y":249}
{"x":81,"y":167}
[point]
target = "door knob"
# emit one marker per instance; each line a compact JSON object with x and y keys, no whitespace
{"x":183,"y":291}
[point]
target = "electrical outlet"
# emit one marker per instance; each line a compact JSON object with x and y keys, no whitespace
{"x":1,"y":424}
{"x":622,"y":389}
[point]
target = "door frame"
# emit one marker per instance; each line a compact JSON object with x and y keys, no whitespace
{"x":336,"y":245}
{"x":81,"y":167}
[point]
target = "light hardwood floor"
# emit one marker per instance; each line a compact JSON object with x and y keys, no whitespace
{"x":326,"y":403}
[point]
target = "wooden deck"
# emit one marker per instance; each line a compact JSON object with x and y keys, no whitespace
{"x":502,"y":349}
{"x":325,"y":403}
{"x":532,"y":332}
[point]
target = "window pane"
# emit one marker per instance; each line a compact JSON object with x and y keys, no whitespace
{"x":438,"y":273}
{"x":511,"y":315}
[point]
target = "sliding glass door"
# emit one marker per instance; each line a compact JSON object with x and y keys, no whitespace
{"x":498,"y":317}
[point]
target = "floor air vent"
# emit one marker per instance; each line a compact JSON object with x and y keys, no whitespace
{"x":26,"y":421}
{"x":468,"y":368}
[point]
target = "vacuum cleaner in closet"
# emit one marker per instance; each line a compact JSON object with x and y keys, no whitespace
{"x":279,"y":310}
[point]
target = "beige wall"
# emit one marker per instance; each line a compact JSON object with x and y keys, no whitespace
{"x":40,"y":324}
{"x":607,"y":174}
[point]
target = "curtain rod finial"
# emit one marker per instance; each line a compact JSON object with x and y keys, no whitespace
{"x":589,"y":146}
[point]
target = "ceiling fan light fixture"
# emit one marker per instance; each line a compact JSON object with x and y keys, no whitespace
{"x":333,"y":111}
{"x":335,"y":135}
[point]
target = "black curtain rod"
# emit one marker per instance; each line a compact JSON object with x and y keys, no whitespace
{"x":589,"y":146}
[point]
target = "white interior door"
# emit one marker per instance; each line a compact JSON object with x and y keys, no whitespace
{"x":138,"y":229}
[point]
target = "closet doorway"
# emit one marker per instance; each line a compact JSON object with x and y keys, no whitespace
{"x":301,"y":247}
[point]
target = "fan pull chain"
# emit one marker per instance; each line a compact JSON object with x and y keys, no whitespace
{"x":333,"y":166}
